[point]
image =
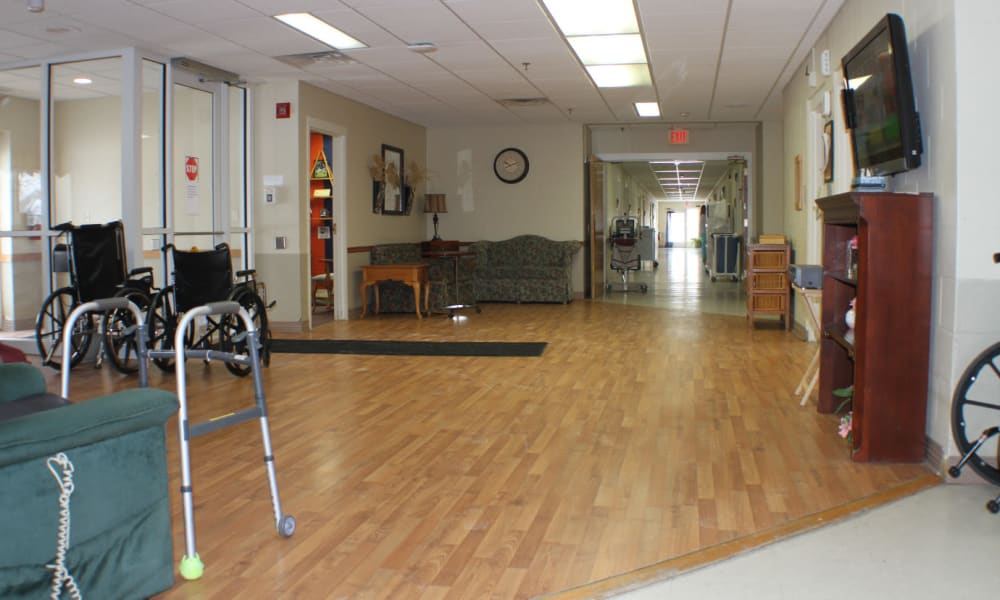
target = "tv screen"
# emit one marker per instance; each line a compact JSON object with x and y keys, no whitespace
{"x":878,"y":101}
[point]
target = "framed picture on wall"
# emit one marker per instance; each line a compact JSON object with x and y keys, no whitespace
{"x":798,"y":182}
{"x":828,"y":152}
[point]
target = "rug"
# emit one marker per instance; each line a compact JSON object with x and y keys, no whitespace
{"x":401,"y":348}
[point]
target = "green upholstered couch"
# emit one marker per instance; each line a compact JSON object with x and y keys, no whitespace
{"x":395,"y":296}
{"x":526,"y":268}
{"x":120,"y":538}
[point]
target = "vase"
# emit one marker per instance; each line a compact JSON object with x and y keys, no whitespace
{"x":849,"y":318}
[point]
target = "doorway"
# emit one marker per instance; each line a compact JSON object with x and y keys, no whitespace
{"x":321,"y":228}
{"x":325,"y":212}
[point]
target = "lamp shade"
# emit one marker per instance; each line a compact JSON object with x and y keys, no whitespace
{"x":435,"y":203}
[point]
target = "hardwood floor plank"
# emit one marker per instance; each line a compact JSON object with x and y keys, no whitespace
{"x":505,"y":477}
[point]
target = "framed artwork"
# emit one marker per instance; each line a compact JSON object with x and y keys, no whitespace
{"x":828,"y":152}
{"x":798,"y":181}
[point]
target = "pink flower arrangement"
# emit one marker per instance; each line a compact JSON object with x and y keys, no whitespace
{"x":846,"y":423}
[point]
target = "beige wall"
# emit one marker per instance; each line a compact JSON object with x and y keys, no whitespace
{"x":956,"y":163}
{"x":548,"y":202}
{"x":282,"y":149}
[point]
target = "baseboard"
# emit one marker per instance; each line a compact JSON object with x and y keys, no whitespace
{"x":286,"y":326}
{"x":934,"y":454}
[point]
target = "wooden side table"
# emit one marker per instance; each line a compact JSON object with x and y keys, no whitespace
{"x":413,"y":275}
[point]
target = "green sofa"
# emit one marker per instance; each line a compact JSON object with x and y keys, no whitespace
{"x":526,"y":268}
{"x":120,"y":542}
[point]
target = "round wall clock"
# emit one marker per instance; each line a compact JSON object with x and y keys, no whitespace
{"x":510,"y":165}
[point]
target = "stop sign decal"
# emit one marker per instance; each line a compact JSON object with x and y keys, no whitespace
{"x":191,"y":168}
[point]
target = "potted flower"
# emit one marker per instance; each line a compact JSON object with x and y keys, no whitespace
{"x":846,"y":425}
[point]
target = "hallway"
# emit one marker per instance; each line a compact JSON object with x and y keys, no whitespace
{"x":680,"y":282}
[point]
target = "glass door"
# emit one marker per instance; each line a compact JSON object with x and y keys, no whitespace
{"x":209,"y":173}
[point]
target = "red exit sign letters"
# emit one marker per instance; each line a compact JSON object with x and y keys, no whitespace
{"x":678,"y":136}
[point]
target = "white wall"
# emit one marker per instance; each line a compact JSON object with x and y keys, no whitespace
{"x":956,"y":166}
{"x":548,"y":202}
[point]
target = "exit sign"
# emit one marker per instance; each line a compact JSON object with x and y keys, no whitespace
{"x":678,"y":136}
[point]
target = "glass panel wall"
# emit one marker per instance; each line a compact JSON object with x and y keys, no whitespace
{"x":21,"y":279}
{"x":154,"y":215}
{"x":193,"y":174}
{"x":86,"y":141}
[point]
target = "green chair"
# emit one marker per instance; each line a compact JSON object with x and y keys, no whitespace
{"x":120,"y":542}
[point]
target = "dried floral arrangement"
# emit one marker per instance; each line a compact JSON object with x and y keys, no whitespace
{"x":383,"y":172}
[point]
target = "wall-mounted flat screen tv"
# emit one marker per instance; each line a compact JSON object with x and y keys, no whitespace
{"x":879,"y":108}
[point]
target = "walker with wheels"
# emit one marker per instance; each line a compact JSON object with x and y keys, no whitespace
{"x":191,"y":566}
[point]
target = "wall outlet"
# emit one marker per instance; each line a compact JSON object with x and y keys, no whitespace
{"x":281,"y":242}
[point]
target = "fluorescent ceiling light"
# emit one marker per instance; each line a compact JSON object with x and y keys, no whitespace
{"x":321,"y":30}
{"x":609,"y":49}
{"x":647,"y":109}
{"x":588,"y":17}
{"x":610,"y":76}
{"x":83,"y":80}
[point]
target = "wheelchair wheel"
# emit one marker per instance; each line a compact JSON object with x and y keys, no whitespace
{"x":233,"y":330}
{"x":161,"y":323}
{"x":119,"y":333}
{"x":976,"y":407}
{"x":49,"y":325}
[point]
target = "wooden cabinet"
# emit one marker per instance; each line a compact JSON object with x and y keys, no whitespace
{"x":886,"y":355}
{"x":768,"y":291}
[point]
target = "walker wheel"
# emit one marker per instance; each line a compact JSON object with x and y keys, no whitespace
{"x":993,"y":506}
{"x":286,"y":527}
{"x":954,"y":472}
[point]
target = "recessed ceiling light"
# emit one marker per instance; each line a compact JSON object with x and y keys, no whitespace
{"x":83,"y":80}
{"x":609,"y":49}
{"x":609,"y":76}
{"x":647,"y":109}
{"x":320,"y":30}
{"x":589,"y":17}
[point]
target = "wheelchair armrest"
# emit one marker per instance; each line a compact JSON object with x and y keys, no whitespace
{"x":246,"y":272}
{"x":140,"y":270}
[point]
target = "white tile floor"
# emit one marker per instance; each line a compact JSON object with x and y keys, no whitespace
{"x":939,"y":543}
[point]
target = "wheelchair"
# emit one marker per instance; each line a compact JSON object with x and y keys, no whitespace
{"x":204,"y":277}
{"x":94,"y":258}
{"x":975,"y":406}
{"x":625,"y":255}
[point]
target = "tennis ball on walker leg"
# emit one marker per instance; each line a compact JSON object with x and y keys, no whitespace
{"x":192,"y":567}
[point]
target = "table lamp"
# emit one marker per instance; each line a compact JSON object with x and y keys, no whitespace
{"x":435,"y":203}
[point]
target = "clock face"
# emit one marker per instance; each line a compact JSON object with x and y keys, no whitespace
{"x":510,"y":165}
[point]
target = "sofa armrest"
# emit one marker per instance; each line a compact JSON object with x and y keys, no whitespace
{"x":18,"y":380}
{"x":45,"y":433}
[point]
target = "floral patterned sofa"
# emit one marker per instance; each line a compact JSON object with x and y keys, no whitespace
{"x":526,"y":268}
{"x":395,"y":296}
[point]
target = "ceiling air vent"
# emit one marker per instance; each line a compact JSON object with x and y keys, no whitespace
{"x":523,"y":102}
{"x":330,"y":57}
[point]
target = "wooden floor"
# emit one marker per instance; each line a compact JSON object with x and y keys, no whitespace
{"x":639,"y":436}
